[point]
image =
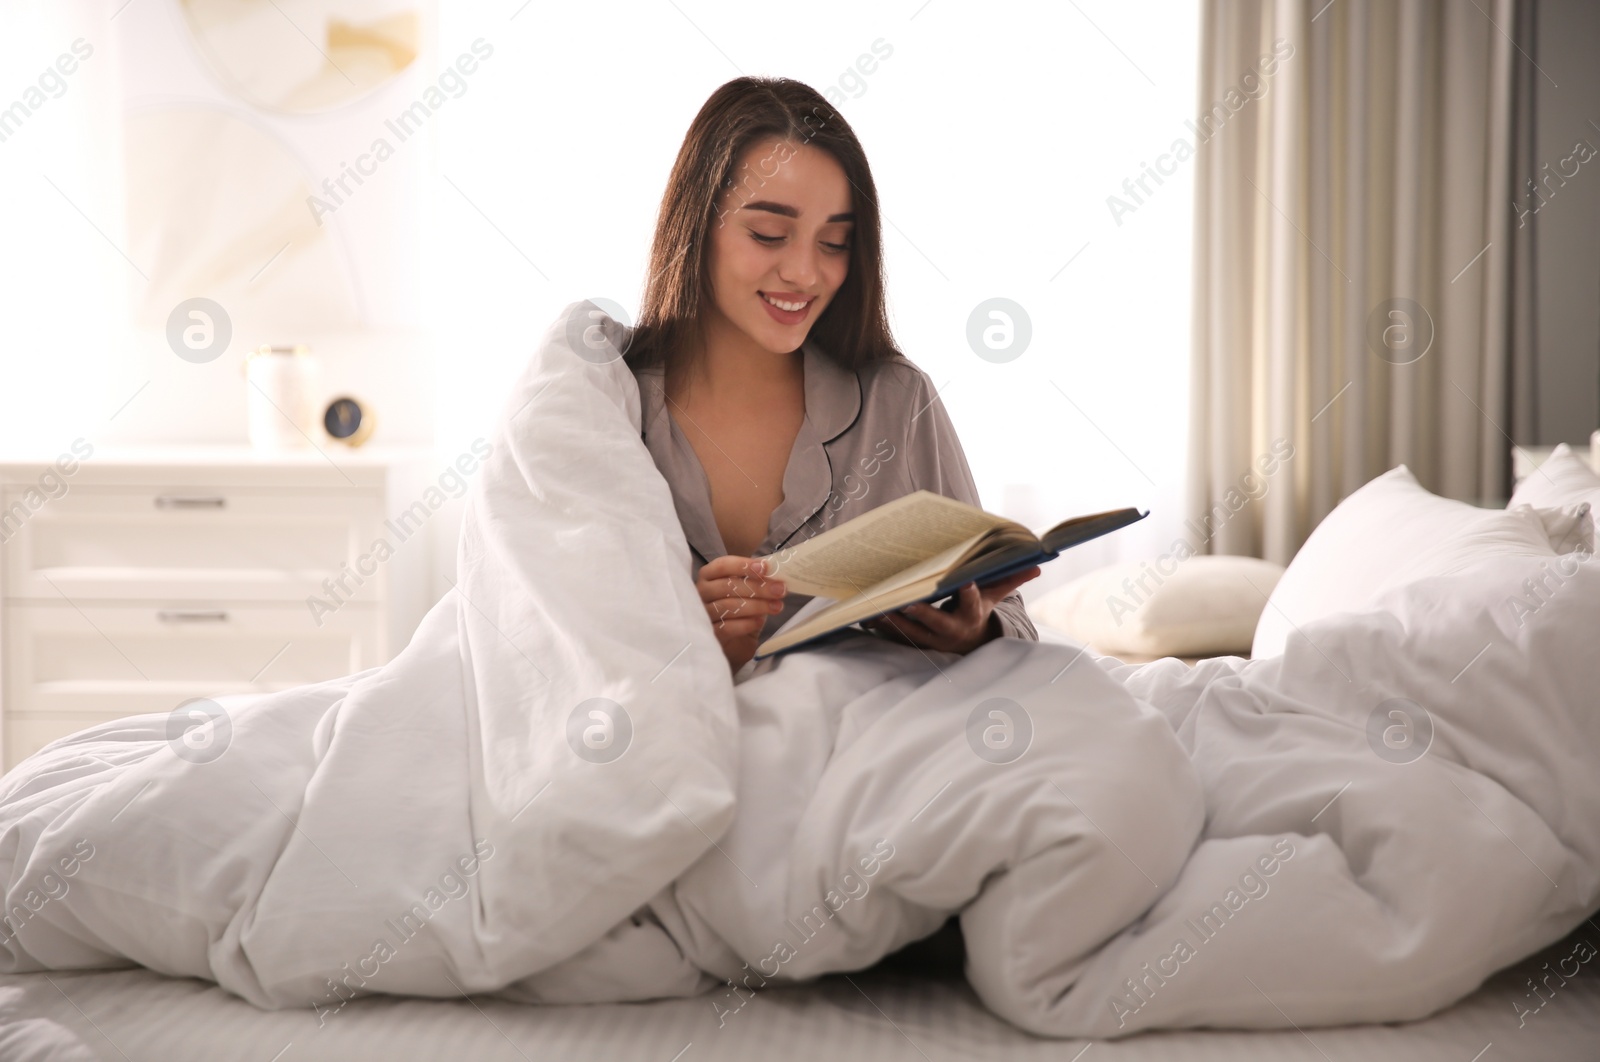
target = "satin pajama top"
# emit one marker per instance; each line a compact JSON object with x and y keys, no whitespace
{"x":868,"y":437}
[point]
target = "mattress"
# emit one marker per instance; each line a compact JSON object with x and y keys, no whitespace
{"x":1546,"y":1008}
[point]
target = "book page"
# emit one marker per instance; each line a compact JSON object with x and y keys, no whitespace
{"x":880,"y":543}
{"x":933,"y":567}
{"x":884,"y":597}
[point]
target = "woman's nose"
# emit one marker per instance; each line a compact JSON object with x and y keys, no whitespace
{"x":799,"y":268}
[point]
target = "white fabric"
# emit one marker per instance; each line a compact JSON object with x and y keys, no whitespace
{"x":836,"y":803}
{"x":337,"y":807}
{"x":292,"y":858}
{"x":879,"y":1015}
{"x":1564,"y":480}
{"x":1196,"y":607}
{"x":1389,"y":532}
{"x":1409,"y":882}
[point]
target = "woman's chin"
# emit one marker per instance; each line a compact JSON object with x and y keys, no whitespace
{"x":776,"y":339}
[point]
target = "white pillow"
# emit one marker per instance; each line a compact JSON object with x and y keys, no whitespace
{"x":1391,"y":532}
{"x":1564,"y":480}
{"x":1207,"y":605}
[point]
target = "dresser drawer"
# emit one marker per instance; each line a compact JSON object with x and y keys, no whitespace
{"x":155,"y":543}
{"x":115,"y":660}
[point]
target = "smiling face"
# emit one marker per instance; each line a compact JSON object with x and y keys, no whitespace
{"x":780,"y":243}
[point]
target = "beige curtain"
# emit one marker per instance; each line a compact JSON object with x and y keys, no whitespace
{"x":1353,"y":233}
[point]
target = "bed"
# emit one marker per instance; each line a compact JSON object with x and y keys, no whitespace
{"x":883,"y":1014}
{"x":560,"y":798}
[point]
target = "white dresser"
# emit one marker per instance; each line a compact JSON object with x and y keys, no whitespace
{"x":142,"y":579}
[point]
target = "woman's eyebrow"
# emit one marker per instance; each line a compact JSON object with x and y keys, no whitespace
{"x":790,"y":212}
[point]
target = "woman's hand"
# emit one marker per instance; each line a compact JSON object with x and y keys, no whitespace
{"x":738,"y":597}
{"x":971,"y":624}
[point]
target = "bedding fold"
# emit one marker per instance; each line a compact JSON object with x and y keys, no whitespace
{"x":557,"y":792}
{"x":545,"y":756}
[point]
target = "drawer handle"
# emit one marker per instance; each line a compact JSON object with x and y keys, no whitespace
{"x":180,"y":501}
{"x":192,"y":616}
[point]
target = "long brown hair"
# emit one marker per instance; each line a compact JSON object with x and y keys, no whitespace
{"x":854,"y":329}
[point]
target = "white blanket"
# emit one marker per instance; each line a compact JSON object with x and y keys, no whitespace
{"x":557,"y":792}
{"x":1338,"y":883}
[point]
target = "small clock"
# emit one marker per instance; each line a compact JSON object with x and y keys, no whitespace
{"x":348,"y":421}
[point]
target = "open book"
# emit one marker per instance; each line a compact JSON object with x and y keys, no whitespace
{"x":921,"y":547}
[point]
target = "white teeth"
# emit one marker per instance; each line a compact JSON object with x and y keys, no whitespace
{"x":792,"y":307}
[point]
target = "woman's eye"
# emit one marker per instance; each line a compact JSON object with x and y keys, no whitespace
{"x":832,"y":248}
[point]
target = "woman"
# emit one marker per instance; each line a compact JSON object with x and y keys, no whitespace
{"x":774,"y":399}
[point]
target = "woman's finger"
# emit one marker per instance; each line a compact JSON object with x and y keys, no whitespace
{"x":730,"y":565}
{"x":747,"y":586}
{"x":711,"y":590}
{"x":712,"y":587}
{"x":937,"y":619}
{"x":958,"y":630}
{"x":971,"y":608}
{"x":748,"y":589}
{"x":884,"y":627}
{"x":1002,"y":589}
{"x":737,"y":626}
{"x":733,"y":607}
{"x":731,"y":575}
{"x":901,"y":627}
{"x":958,"y":623}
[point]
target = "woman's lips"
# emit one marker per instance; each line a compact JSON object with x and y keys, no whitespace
{"x":787,"y":317}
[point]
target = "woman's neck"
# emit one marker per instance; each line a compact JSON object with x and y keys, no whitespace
{"x":730,"y":365}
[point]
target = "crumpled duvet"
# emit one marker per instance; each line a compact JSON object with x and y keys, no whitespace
{"x":557,"y":792}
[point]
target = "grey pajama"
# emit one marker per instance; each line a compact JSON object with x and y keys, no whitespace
{"x":867,"y":438}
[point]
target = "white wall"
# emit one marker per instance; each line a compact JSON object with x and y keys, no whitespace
{"x":996,"y":134}
{"x":62,"y":284}
{"x":99,"y":303}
